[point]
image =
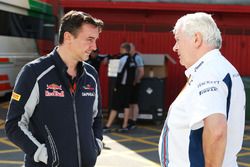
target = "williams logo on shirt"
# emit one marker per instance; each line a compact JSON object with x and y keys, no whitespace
{"x":88,"y":90}
{"x":54,"y":90}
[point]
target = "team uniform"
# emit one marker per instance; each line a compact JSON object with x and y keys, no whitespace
{"x":124,"y":82}
{"x":47,"y":111}
{"x":136,"y":87}
{"x":214,"y":86}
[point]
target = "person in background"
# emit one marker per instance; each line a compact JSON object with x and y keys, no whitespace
{"x":55,"y":112}
{"x":96,"y":60}
{"x":122,"y":91}
{"x":205,"y":123}
{"x":134,"y":107}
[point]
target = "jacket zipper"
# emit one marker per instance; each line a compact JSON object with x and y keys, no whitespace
{"x":77,"y":131}
{"x":76,"y":124}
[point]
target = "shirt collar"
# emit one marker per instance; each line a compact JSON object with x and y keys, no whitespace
{"x":61,"y":66}
{"x":196,"y":66}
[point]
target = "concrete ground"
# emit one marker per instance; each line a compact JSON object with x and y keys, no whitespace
{"x":139,"y":147}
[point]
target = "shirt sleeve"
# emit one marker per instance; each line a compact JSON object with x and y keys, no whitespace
{"x":23,"y":101}
{"x":139,"y":61}
{"x":97,"y":124}
{"x":209,"y":97}
{"x":122,"y":63}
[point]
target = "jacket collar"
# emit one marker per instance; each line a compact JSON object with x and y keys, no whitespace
{"x":62,"y":68}
{"x":60,"y":65}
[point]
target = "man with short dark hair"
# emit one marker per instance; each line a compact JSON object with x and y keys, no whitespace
{"x":55,"y":110}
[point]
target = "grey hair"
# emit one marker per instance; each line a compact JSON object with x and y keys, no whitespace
{"x":203,"y":23}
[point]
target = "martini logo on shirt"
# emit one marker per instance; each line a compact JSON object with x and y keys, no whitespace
{"x":198,"y":66}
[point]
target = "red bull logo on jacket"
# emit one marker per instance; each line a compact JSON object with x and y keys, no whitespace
{"x":54,"y":90}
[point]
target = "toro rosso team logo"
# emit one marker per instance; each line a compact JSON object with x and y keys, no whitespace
{"x":88,"y":90}
{"x":88,"y":87}
{"x":54,"y":90}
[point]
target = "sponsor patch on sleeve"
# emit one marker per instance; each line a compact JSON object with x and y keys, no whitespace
{"x":15,"y":96}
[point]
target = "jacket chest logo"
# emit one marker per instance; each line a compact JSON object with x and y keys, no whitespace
{"x":54,"y":90}
{"x":88,"y":90}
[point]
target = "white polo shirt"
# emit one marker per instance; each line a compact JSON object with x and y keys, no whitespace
{"x":214,"y":86}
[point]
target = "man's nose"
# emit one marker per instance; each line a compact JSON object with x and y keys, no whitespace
{"x":93,"y":46}
{"x":175,"y":48}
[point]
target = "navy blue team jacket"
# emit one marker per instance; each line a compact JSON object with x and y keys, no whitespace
{"x":43,"y":111}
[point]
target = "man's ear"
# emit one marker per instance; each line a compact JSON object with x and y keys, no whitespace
{"x":198,"y":39}
{"x":67,"y":37}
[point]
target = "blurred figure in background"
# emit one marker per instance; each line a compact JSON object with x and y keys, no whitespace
{"x":96,"y":60}
{"x":123,"y":88}
{"x":139,"y":73}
